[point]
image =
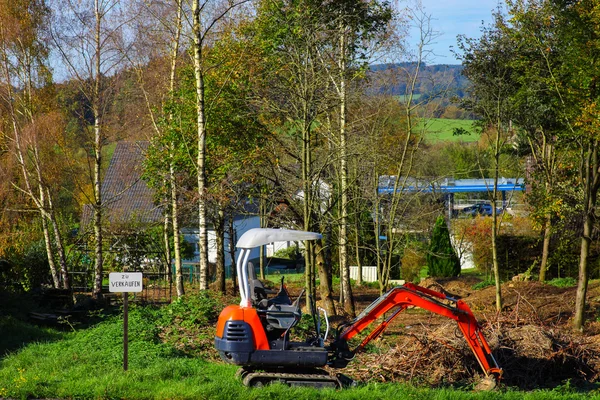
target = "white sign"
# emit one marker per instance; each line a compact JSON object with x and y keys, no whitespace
{"x":125,"y":282}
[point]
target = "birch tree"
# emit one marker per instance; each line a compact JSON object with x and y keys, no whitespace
{"x":206,"y":15}
{"x":25,"y":74}
{"x":357,"y":30}
{"x":159,"y":32}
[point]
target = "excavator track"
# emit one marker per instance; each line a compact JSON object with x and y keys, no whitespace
{"x":319,"y":379}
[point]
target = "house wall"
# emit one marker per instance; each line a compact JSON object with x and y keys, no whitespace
{"x":241,"y":224}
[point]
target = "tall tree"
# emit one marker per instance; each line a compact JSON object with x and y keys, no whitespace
{"x":296,"y":93}
{"x":395,"y":164}
{"x":579,"y":33}
{"x":539,"y":111}
{"x":27,"y":82}
{"x":206,"y":16}
{"x":487,"y":64}
{"x":357,"y":30}
{"x":160,"y":27}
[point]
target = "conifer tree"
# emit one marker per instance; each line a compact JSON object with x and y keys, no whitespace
{"x":442,"y":260}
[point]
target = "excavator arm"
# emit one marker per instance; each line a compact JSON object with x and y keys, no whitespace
{"x":397,"y":300}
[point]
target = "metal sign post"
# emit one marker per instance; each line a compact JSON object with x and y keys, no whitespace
{"x":125,"y":282}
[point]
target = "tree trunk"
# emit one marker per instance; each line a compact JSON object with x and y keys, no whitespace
{"x":308,"y":274}
{"x":359,"y":279}
{"x":591,"y":180}
{"x":582,"y":282}
{"x":50,"y":253}
{"x":220,"y":233}
{"x":343,"y":237}
{"x":548,"y":161}
{"x":377,"y":232}
{"x":179,"y":287}
{"x":167,"y":242}
{"x":60,"y":248}
{"x":495,"y":263}
{"x":307,"y":210}
{"x":98,"y":265}
{"x":324,"y":287}
{"x":263,"y":224}
{"x":201,"y":159}
{"x":546,"y":247}
{"x":232,"y":240}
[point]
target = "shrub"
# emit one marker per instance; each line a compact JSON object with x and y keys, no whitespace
{"x":484,"y":284}
{"x":193,"y":310}
{"x":290,"y":253}
{"x":412,"y":263}
{"x":27,"y":269}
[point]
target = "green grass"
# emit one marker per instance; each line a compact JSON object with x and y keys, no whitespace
{"x":289,"y":277}
{"x":441,"y":129}
{"x":563,"y":282}
{"x":87,"y":364}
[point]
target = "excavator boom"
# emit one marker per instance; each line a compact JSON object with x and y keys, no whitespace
{"x":402,"y":297}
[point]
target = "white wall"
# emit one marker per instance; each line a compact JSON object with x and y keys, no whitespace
{"x":463,"y":249}
{"x":240,"y":225}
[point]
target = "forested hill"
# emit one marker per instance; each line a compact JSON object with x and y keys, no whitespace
{"x":431,"y":78}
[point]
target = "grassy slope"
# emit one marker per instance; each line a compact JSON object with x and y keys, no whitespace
{"x":441,"y":129}
{"x":87,"y":363}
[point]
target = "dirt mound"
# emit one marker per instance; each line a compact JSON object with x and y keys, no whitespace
{"x":530,"y":355}
{"x":458,"y":288}
{"x":535,"y":356}
{"x":531,"y":339}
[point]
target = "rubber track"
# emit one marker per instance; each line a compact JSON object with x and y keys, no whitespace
{"x":291,"y":378}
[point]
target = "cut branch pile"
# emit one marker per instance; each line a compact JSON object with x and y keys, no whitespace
{"x":532,"y":356}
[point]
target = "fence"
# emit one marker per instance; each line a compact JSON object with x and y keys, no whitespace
{"x":369,"y":274}
{"x":159,"y":287}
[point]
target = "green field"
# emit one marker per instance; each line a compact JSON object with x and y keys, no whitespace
{"x":441,"y":129}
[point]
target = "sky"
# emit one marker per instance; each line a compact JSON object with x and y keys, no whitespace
{"x":453,"y":17}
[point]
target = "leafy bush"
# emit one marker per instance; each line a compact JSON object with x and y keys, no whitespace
{"x":192,"y":310}
{"x":290,"y":253}
{"x":412,"y":263}
{"x":27,"y":269}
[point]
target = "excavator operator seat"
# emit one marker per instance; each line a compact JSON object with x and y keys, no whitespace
{"x":282,"y":316}
{"x":258,"y":291}
{"x":280,"y":313}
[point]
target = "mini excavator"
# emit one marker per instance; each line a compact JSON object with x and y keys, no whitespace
{"x":256,"y":333}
